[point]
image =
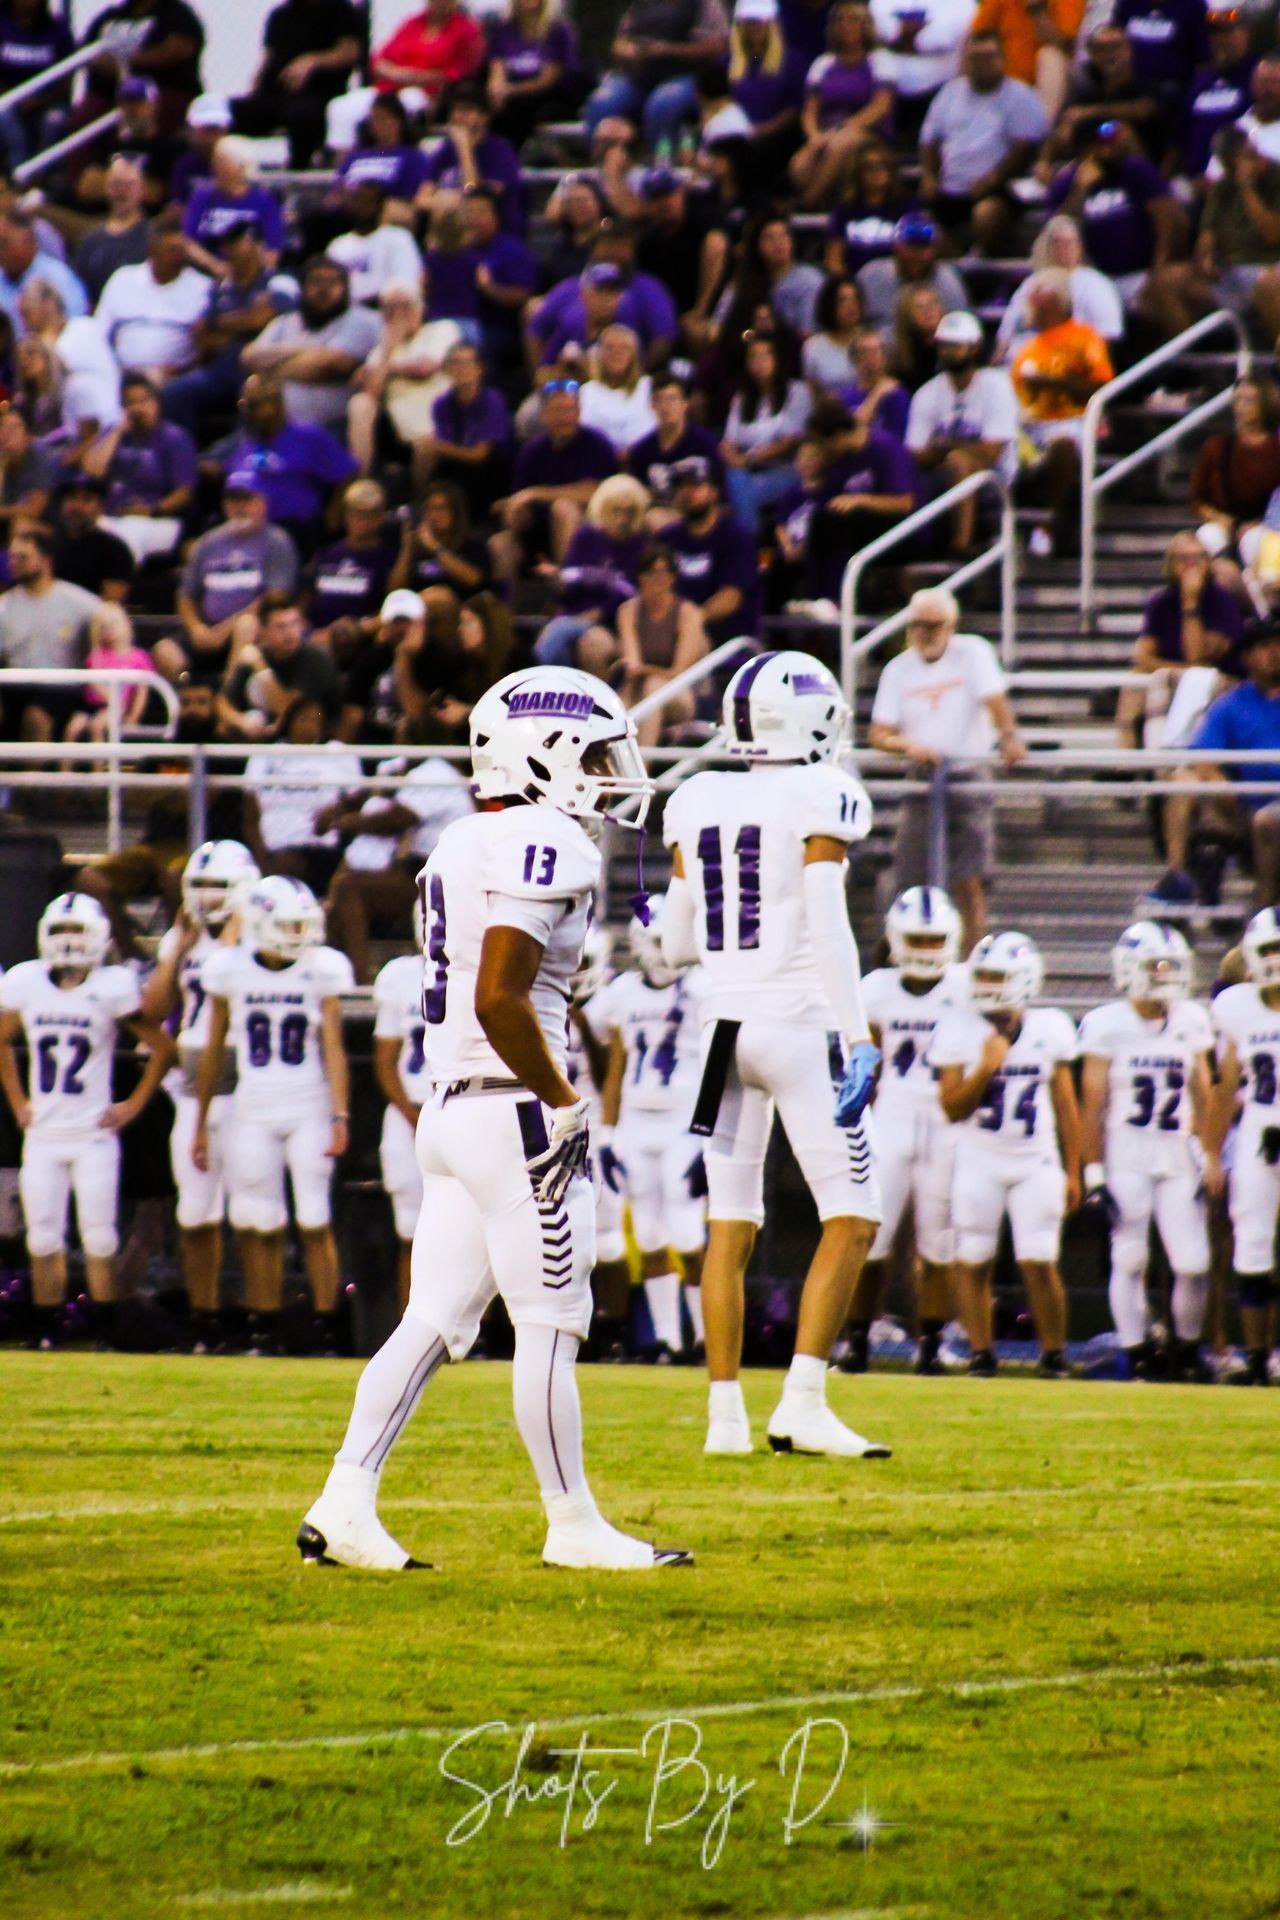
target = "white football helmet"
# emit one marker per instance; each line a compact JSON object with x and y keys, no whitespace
{"x":1261,"y":945}
{"x":211,"y":876}
{"x":1006,"y":973}
{"x":784,"y":707}
{"x":646,"y":944}
{"x":924,"y":933}
{"x":74,"y":931}
{"x":593,"y":969}
{"x":279,"y":915}
{"x":1151,"y":962}
{"x":534,"y":733}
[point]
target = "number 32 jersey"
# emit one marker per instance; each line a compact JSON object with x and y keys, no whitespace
{"x":527,"y":867}
{"x":1016,"y":1114}
{"x":742,"y":840}
{"x":1149,"y":1103}
{"x":276,"y":1021}
{"x":1241,"y":1016}
{"x":71,"y":1038}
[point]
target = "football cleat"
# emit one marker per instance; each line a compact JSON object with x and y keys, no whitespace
{"x":330,"y":1537}
{"x":807,"y":1426}
{"x":727,"y":1434}
{"x":983,"y":1365}
{"x":1053,"y":1366}
{"x":579,"y":1537}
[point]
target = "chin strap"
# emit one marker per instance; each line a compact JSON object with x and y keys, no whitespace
{"x":639,"y":901}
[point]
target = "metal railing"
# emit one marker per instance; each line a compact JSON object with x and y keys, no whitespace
{"x":1002,"y":553}
{"x":61,"y":69}
{"x":1094,"y":484}
{"x":70,"y":143}
{"x":693,"y":676}
{"x":111,"y":680}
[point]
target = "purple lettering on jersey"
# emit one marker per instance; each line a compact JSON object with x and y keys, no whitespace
{"x":551,"y":701}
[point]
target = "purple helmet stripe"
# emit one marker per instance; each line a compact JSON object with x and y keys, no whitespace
{"x":742,"y":698}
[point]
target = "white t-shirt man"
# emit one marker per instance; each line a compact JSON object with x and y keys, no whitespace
{"x":437,"y":792}
{"x":150,"y":325}
{"x":372,"y":259}
{"x":986,"y":409}
{"x":286,"y":814}
{"x":942,"y":703}
{"x":935,"y":58}
{"x":91,"y":387}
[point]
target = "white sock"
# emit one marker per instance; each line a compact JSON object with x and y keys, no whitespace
{"x":388,"y":1391}
{"x":693,"y":1300}
{"x":1128,"y":1297}
{"x":807,"y":1375}
{"x":663,"y":1295}
{"x":1190,"y":1298}
{"x":544,"y":1389}
{"x":725,"y":1401}
{"x":571,"y":1509}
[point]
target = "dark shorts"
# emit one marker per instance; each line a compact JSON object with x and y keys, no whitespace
{"x":18,"y":697}
{"x":971,"y":835}
{"x":956,"y":209}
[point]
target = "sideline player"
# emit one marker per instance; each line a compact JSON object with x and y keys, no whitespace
{"x":652,"y":1014}
{"x":904,"y":1003}
{"x":1004,"y":1079}
{"x":758,"y":899}
{"x":1146,"y":1101}
{"x":1247,"y":1018}
{"x":400,"y":1069}
{"x":502,"y":1143}
{"x":586,"y":1069}
{"x":204,"y":921}
{"x":70,"y":1007}
{"x":276,"y":996}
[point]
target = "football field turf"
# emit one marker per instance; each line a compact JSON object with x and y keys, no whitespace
{"x":1036,"y":1651}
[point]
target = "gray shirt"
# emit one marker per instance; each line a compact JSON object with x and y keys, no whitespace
{"x":229,"y":568}
{"x":975,"y":131}
{"x":46,"y":629}
{"x":357,"y":332}
{"x":101,"y":252}
{"x":879,"y":286}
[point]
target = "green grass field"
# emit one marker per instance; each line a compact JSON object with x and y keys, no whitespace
{"x":1047,"y":1628}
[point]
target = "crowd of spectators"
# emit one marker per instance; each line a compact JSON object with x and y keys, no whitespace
{"x":488,"y":391}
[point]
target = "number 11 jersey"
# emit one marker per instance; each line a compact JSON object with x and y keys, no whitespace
{"x":276,"y":1020}
{"x":742,"y":840}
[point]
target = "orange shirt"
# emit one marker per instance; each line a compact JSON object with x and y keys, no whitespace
{"x":1018,"y":42}
{"x":1070,"y":351}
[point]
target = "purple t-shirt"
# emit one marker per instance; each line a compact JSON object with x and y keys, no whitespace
{"x":599,"y":571}
{"x":645,"y":305}
{"x":843,"y":87}
{"x":486,"y":422}
{"x":652,"y":466}
{"x":1219,"y":613}
{"x":867,"y":232}
{"x":804,"y":27}
{"x":399,"y":171}
{"x":298,"y":469}
{"x":451,"y":284}
{"x":497,"y":164}
{"x":151,"y":469}
{"x":723,"y":557}
{"x":587,"y":456}
{"x":764,"y":95}
{"x":348,"y":583}
{"x":1168,"y":38}
{"x":26,"y":51}
{"x":883,"y":465}
{"x":529,"y":59}
{"x":210,"y":213}
{"x":1118,"y":235}
{"x":1216,"y":99}
{"x":795,"y":510}
{"x":891,"y":409}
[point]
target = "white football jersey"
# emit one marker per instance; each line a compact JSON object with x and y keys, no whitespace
{"x":661,"y":1031}
{"x":193,"y":1013}
{"x":528,"y":867}
{"x":1240,"y":1015}
{"x":906,"y":1021}
{"x":71,"y":1038}
{"x":1016,"y":1115}
{"x":1148,"y":1105}
{"x":397,"y":999}
{"x":276,"y":1020}
{"x":741,"y":837}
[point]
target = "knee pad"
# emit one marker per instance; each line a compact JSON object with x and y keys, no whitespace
{"x":1255,"y":1289}
{"x":258,"y":1213}
{"x":44,"y":1241}
{"x":100,"y":1242}
{"x":610,"y":1247}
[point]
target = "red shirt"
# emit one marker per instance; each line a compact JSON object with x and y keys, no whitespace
{"x":452,"y":52}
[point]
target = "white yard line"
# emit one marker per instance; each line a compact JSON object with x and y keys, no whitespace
{"x":293,"y":1893}
{"x":1080,"y":1677}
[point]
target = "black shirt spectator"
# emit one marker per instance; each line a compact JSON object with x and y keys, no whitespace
{"x":715,"y":555}
{"x":84,"y":552}
{"x":309,"y":48}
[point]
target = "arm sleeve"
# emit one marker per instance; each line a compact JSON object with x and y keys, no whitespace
{"x":679,"y":948}
{"x":834,"y":947}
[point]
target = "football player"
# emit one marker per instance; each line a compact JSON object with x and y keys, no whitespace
{"x":1146,"y":1104}
{"x":400,"y":1069}
{"x":758,"y":899}
{"x":1004,"y":1079}
{"x":205,"y":920}
{"x":652,"y":1014}
{"x":904,"y":1003}
{"x":502,"y":1143}
{"x":586,"y":1069}
{"x":275,"y":997}
{"x":70,"y":1007}
{"x":1247,"y":1019}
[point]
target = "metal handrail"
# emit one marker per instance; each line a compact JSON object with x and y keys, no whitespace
{"x":82,"y":137}
{"x":1093,"y":484}
{"x":49,"y":76}
{"x":692,"y":676}
{"x":113,"y":679}
{"x":1003,"y":552}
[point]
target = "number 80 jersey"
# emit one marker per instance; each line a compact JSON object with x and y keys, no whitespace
{"x":1149,"y":1103}
{"x":742,"y":841}
{"x":276,"y":1018}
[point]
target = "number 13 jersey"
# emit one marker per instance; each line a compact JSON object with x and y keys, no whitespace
{"x":71,"y":1038}
{"x":527,"y":867}
{"x":1149,"y":1099}
{"x":742,"y":840}
{"x":276,"y":1020}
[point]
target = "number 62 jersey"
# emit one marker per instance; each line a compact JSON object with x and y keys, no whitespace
{"x":276,"y":1020}
{"x":71,"y":1036}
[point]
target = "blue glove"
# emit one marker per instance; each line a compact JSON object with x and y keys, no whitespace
{"x":855,"y":1088}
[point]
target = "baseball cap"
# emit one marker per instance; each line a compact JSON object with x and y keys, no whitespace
{"x":209,"y":110}
{"x":603,"y":273}
{"x":658,"y":182}
{"x":136,"y":87}
{"x":403,"y":605}
{"x":959,"y":329}
{"x":244,"y":481}
{"x":915,"y":230}
{"x":691,"y":471}
{"x":756,"y":10}
{"x":283,"y":292}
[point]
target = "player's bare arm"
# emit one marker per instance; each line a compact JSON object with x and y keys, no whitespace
{"x":961,"y":1090}
{"x":1226,"y":1095}
{"x":337,"y":1074}
{"x":10,"y":1078}
{"x":1203,"y":1112}
{"x":208,"y":1074}
{"x":163,"y":991}
{"x":1095,"y":1084}
{"x":162,"y":1051}
{"x":1066,"y":1113}
{"x":596,"y":1051}
{"x":611,"y":1091}
{"x":509,"y":961}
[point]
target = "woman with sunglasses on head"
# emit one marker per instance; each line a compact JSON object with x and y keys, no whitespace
{"x":849,"y":96}
{"x":766,"y":420}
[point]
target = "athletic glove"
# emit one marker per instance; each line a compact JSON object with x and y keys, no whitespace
{"x":855,"y":1088}
{"x":565,"y":1154}
{"x":1098,"y":1197}
{"x":612,"y":1170}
